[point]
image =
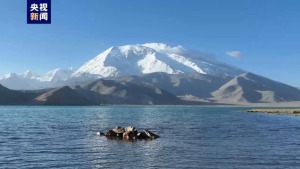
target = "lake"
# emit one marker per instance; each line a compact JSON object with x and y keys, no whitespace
{"x":191,"y":137}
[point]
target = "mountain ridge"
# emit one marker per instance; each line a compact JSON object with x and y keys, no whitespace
{"x":252,"y":88}
{"x":160,"y":89}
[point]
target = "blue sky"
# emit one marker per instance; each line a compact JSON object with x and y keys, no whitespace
{"x":264,"y":34}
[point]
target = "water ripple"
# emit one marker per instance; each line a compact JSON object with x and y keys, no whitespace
{"x":65,"y":137}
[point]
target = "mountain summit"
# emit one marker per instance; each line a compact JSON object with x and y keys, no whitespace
{"x":151,"y":58}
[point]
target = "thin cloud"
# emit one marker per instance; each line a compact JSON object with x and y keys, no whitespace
{"x":234,"y":54}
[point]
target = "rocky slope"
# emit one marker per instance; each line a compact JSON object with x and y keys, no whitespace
{"x":192,"y":84}
{"x":252,"y":88}
{"x":160,"y":89}
{"x":62,"y":96}
{"x":15,"y":97}
{"x":99,"y":92}
{"x":122,"y":92}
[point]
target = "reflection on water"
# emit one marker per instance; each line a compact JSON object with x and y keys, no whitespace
{"x":65,"y":137}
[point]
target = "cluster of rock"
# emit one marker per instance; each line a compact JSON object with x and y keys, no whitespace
{"x":128,"y":133}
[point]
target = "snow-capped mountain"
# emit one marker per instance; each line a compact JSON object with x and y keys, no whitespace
{"x":136,"y":59}
{"x":26,"y":80}
{"x":30,"y":80}
{"x":26,"y":75}
{"x":29,"y":75}
{"x":58,"y":75}
{"x":153,"y":57}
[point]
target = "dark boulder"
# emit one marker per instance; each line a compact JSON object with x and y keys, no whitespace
{"x":142,"y":135}
{"x":110,"y":133}
{"x":129,"y":135}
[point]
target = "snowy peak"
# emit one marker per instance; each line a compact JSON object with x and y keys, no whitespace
{"x":30,"y":80}
{"x":29,"y":75}
{"x":58,"y":75}
{"x":10,"y":75}
{"x":125,"y":60}
{"x":129,"y":50}
{"x":150,"y":58}
{"x":164,"y":48}
{"x":53,"y":75}
{"x":26,"y":75}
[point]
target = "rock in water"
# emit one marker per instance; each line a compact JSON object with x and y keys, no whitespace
{"x":128,"y":133}
{"x":142,"y":135}
{"x":130,"y":128}
{"x":110,"y":133}
{"x":119,"y":131}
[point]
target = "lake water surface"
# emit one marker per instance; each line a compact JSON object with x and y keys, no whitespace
{"x":191,"y":137}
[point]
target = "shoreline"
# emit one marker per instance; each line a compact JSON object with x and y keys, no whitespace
{"x":252,"y":108}
{"x":290,"y":111}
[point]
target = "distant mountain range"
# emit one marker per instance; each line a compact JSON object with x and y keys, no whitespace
{"x":99,"y":92}
{"x":30,"y":80}
{"x":152,"y":73}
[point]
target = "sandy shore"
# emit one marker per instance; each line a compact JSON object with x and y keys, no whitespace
{"x":276,"y":111}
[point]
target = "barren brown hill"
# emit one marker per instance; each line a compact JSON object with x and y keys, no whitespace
{"x":251,"y":88}
{"x":122,"y":92}
{"x":62,"y":96}
{"x":195,"y":84}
